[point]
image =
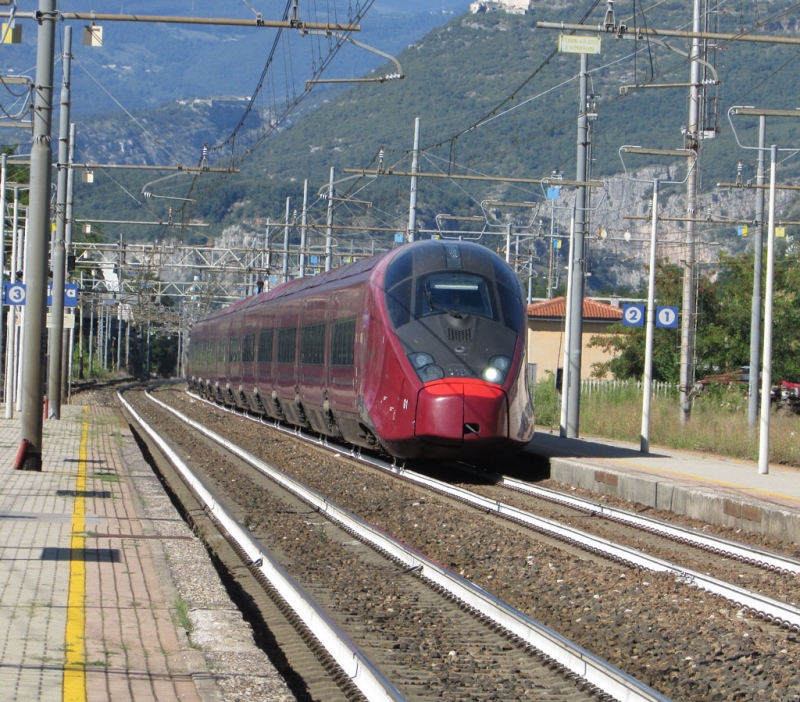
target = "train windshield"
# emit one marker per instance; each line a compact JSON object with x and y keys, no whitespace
{"x":456,"y":294}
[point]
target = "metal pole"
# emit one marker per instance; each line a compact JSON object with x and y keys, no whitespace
{"x":91,"y":336}
{"x":10,"y":311}
{"x":766,"y":380}
{"x":329,"y":232}
{"x":552,"y":246}
{"x":58,"y":257}
{"x":577,"y":256}
{"x":412,"y":209}
{"x":267,"y":245}
{"x":565,"y":368}
{"x":119,"y":336}
{"x":304,"y":230}
{"x":285,"y":245}
{"x":692,"y":142}
{"x":81,"y":310}
{"x":19,"y":357}
{"x":651,"y":324}
{"x":758,"y":258}
{"x":71,"y":345}
{"x":66,"y":365}
{"x":36,"y":245}
{"x":180,"y":350}
{"x":11,"y":326}
{"x":508,"y":243}
{"x":66,"y":368}
{"x":128,"y":346}
{"x":106,"y":336}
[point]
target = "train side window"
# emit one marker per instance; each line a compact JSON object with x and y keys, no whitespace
{"x":312,"y":344}
{"x":248,"y":348}
{"x":343,"y":339}
{"x":265,"y":339}
{"x":236,"y":350}
{"x":287,"y":343}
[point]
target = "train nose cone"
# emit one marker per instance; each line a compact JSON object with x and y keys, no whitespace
{"x":449,"y":413}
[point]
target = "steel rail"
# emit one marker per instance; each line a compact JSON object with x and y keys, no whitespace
{"x":716,"y":544}
{"x":596,"y":671}
{"x":362,"y":672}
{"x":767,"y":608}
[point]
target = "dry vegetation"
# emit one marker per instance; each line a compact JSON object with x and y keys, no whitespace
{"x":718,"y":423}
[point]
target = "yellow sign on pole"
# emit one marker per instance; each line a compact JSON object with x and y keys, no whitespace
{"x":579,"y":44}
{"x":12,"y":33}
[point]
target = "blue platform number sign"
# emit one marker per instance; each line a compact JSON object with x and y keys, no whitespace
{"x":13,"y":293}
{"x":553,"y":192}
{"x":70,"y":295}
{"x":667,"y":317}
{"x":633,"y":315}
{"x":399,"y":238}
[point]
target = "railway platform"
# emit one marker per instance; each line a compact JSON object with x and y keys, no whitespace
{"x":90,"y":606}
{"x":715,"y":489}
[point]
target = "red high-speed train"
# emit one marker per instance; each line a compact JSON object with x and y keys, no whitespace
{"x":416,"y":353}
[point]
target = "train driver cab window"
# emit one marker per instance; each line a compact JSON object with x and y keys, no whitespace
{"x":457,"y":294}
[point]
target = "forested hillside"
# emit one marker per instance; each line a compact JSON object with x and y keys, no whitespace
{"x":496,"y":99}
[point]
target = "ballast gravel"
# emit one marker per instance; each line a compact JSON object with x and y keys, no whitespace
{"x":687,"y":644}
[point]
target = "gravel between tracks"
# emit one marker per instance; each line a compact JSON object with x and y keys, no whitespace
{"x":683,"y":642}
{"x":426,"y":644}
{"x":782,"y":587}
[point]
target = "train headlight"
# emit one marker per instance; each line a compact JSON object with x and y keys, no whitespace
{"x":420,"y":360}
{"x":497,"y":369}
{"x":430,"y":372}
{"x":426,"y":367}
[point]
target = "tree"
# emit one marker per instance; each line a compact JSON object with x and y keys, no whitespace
{"x":723,"y":323}
{"x":628,"y":343}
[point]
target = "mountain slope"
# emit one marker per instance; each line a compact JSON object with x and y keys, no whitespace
{"x":459,"y":72}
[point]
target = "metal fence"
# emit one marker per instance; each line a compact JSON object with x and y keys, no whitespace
{"x":593,"y":385}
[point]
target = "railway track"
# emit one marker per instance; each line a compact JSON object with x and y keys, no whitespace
{"x":688,"y":644}
{"x":435,"y":634}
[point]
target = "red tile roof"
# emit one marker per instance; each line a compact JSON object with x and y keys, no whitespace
{"x":592,"y":309}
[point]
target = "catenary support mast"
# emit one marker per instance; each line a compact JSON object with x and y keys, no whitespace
{"x":29,"y":456}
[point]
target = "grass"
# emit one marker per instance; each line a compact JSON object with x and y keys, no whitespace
{"x":718,"y":423}
{"x":182,"y":614}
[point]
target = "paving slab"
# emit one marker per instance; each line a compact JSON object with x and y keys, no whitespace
{"x":83,"y":611}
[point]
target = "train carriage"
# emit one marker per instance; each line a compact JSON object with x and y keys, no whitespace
{"x":418,"y":352}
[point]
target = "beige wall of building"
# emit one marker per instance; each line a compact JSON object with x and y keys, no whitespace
{"x":546,"y":346}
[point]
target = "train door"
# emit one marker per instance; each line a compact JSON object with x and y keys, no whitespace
{"x":248,"y":348}
{"x":312,"y":338}
{"x":265,"y":358}
{"x":342,"y":372}
{"x":286,"y":381}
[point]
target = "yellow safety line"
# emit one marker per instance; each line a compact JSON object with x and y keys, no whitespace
{"x":75,"y":634}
